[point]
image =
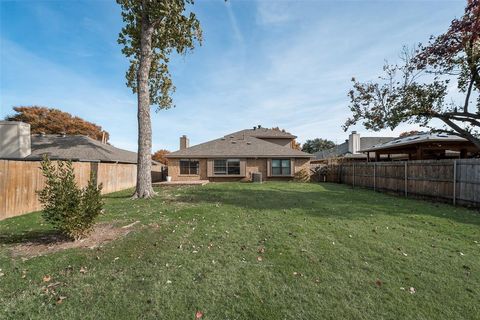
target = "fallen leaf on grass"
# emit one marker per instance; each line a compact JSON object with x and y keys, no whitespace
{"x":259,"y":258}
{"x":412,"y":290}
{"x":60,"y":299}
{"x":46,"y":278}
{"x":130,"y":225}
{"x":298,"y":274}
{"x":261,"y":250}
{"x":198,"y":314}
{"x":379,"y":283}
{"x":83,"y":270}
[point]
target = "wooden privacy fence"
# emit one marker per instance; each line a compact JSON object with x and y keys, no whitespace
{"x":456,"y":181}
{"x":19,"y":181}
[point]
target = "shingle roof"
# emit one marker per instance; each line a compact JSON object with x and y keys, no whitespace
{"x":414,"y":139}
{"x":341,"y":150}
{"x":263,"y":133}
{"x":77,"y":147}
{"x":236,"y":145}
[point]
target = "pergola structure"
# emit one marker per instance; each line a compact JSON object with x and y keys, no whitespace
{"x":424,"y":146}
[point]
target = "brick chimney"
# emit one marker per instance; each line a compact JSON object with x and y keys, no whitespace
{"x":184,"y":142}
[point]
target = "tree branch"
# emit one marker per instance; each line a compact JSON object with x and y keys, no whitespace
{"x":464,"y":133}
{"x":467,"y":98}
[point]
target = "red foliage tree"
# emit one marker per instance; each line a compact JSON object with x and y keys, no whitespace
{"x":408,"y":133}
{"x":54,"y":121}
{"x":160,"y":156}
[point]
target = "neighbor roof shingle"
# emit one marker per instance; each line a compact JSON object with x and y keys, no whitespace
{"x":80,"y":148}
{"x":262,"y":133}
{"x":341,"y":150}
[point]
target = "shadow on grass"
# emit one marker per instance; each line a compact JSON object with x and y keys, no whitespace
{"x":45,"y":237}
{"x":117,"y":196}
{"x":325,"y":200}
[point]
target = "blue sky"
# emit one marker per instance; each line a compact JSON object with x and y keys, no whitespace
{"x":273,"y":63}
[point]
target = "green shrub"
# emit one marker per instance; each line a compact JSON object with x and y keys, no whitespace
{"x":69,"y":208}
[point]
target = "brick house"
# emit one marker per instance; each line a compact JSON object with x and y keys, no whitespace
{"x":236,"y":156}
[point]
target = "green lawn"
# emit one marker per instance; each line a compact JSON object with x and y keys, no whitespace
{"x":330,"y":252}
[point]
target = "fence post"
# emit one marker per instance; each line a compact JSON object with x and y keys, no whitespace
{"x":454,"y":182}
{"x":374,"y":176}
{"x":353,"y":180}
{"x":406,"y":178}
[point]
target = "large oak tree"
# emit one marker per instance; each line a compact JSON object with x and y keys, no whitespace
{"x":439,"y":80}
{"x":153,"y":30}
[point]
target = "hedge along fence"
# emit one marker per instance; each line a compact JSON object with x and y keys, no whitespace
{"x":19,"y":181}
{"x":456,"y":181}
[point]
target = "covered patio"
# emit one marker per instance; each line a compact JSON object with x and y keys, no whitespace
{"x":426,"y":146}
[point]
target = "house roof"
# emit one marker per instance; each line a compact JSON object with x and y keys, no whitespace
{"x":263,"y":133}
{"x":341,"y":150}
{"x":239,"y":145}
{"x":77,"y":147}
{"x":414,"y":139}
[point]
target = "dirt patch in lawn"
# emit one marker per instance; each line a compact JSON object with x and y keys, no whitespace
{"x":53,"y":242}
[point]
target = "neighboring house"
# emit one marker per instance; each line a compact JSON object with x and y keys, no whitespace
{"x":16,"y":143}
{"x":350,"y":150}
{"x":423,"y":146}
{"x":237,"y":156}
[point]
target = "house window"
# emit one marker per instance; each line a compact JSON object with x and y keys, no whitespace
{"x":189,"y":167}
{"x":281,"y":167}
{"x":226,"y":167}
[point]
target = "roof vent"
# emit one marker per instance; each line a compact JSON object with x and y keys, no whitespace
{"x":254,"y":128}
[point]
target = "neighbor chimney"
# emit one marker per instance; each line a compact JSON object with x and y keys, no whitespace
{"x":354,"y":142}
{"x":14,"y":139}
{"x":184,"y":142}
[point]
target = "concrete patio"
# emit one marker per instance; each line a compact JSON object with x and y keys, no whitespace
{"x":181,"y":183}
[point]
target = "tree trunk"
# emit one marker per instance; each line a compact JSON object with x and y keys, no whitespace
{"x":144,"y":187}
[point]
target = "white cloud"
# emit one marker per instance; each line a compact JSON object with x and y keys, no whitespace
{"x":274,"y":12}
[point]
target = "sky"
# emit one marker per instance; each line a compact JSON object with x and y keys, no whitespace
{"x":266,"y":62}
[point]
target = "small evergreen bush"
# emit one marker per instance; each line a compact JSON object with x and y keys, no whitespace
{"x":69,"y":208}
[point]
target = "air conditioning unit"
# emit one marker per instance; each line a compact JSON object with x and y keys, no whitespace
{"x":257,"y":177}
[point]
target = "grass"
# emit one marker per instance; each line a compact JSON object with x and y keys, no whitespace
{"x":330,"y":252}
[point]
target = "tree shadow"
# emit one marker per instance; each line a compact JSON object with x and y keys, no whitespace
{"x":329,"y":200}
{"x":35,"y":237}
{"x":117,"y":196}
